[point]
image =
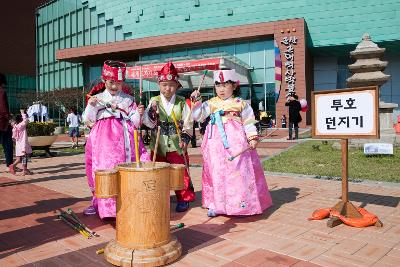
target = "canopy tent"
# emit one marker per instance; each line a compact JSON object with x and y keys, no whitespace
{"x":191,"y":69}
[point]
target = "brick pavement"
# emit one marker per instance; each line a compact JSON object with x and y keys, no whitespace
{"x":30,"y":235}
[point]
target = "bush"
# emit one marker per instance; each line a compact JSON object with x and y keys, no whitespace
{"x":40,"y":128}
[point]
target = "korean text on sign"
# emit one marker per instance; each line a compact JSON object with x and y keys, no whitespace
{"x":345,"y":113}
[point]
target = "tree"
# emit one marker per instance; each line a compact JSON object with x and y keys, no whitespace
{"x":66,"y":98}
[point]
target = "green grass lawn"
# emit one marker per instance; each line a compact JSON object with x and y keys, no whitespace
{"x":68,"y":150}
{"x":62,"y":151}
{"x":320,"y":159}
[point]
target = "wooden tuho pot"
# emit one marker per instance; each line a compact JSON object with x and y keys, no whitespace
{"x":176,"y":181}
{"x":106,"y":183}
{"x":143,"y":217}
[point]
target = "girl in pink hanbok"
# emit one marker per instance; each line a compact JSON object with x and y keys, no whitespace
{"x":112,"y":116}
{"x":231,"y":185}
{"x":22,"y":146}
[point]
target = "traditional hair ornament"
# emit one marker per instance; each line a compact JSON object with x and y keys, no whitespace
{"x":114,"y":70}
{"x":222,"y":76}
{"x":168,"y":73}
{"x":120,"y":75}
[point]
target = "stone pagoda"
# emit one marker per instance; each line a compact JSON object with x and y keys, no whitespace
{"x":367,"y":71}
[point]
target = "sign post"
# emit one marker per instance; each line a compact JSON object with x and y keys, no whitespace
{"x":343,"y":114}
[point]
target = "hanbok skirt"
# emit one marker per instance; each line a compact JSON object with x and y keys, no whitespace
{"x":105,"y":148}
{"x":236,"y":187}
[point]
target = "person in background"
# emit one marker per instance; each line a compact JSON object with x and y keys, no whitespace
{"x":294,"y":115}
{"x":73,"y":124}
{"x":22,"y":146}
{"x":5,"y":127}
{"x":37,"y":112}
{"x":260,"y":106}
{"x":283,"y":121}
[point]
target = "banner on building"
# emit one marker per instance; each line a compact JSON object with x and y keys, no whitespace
{"x":278,"y":71}
{"x":150,"y":71}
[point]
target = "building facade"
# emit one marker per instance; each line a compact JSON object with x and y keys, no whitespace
{"x":310,"y":40}
{"x":17,"y":49}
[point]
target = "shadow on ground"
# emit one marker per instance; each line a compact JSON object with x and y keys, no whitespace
{"x":190,"y":239}
{"x":366,"y":198}
{"x":37,"y":224}
{"x":279,"y":196}
{"x":48,"y":178}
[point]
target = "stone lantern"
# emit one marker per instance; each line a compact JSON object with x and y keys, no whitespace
{"x":367,"y":71}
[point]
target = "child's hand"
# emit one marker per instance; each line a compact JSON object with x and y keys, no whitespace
{"x":113,"y":106}
{"x":253,"y":144}
{"x":183,"y":145}
{"x":140,"y":109}
{"x":195,"y":95}
{"x":93,"y":101}
{"x":154,"y":106}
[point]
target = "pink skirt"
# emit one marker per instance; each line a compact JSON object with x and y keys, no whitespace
{"x":105,"y":148}
{"x":235,"y":187}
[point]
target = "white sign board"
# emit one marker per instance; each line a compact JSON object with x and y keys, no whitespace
{"x":378,"y":149}
{"x":346,"y":113}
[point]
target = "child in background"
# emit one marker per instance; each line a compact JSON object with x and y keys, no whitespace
{"x":163,"y":110}
{"x":283,"y":121}
{"x":73,"y":130}
{"x":22,"y":146}
{"x":238,"y":186}
{"x":112,"y":115}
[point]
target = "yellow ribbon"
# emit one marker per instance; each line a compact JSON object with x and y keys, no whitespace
{"x":136,"y":139}
{"x":178,"y":130}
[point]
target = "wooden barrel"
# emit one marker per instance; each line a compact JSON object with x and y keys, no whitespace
{"x":143,"y":205}
{"x":106,"y":183}
{"x":176,"y":173}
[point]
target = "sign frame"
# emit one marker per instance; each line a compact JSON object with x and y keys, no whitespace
{"x":344,"y":207}
{"x":314,"y":113}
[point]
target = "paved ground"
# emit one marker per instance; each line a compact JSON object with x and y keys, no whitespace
{"x":30,"y":234}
